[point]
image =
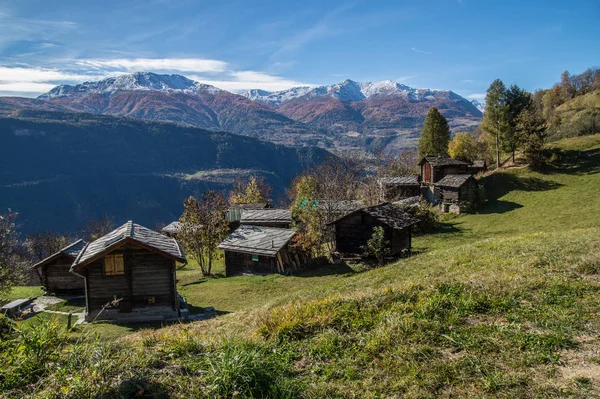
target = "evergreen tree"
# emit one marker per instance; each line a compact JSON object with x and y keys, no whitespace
{"x":532,"y":132}
{"x":435,"y":135}
{"x":517,"y":100}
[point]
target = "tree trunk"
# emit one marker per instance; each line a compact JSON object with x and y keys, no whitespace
{"x":513,"y":156}
{"x":497,"y":151}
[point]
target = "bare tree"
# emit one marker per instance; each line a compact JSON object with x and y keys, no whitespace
{"x":12,"y":259}
{"x":202,"y":227}
{"x":96,"y":228}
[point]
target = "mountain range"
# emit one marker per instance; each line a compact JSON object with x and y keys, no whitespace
{"x":344,"y":116}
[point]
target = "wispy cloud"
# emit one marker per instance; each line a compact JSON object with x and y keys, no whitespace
{"x":416,"y":50}
{"x":406,"y":78}
{"x":477,"y":96}
{"x":198,"y":65}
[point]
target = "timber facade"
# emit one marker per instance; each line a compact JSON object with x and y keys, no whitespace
{"x":433,"y":169}
{"x":55,"y":272}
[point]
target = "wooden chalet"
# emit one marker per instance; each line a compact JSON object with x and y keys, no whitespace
{"x":234,"y":213}
{"x":281,"y":218}
{"x":135,"y":266}
{"x":55,"y":271}
{"x":458,"y":188}
{"x":259,"y":249}
{"x":478,"y":166}
{"x":354,"y":230}
{"x":433,"y":169}
{"x":394,"y":188}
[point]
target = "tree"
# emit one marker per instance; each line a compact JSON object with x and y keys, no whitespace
{"x":435,"y":135}
{"x":517,"y":100}
{"x":44,"y":244}
{"x":494,"y":117}
{"x":202,"y":227}
{"x":377,"y":245}
{"x":305,"y":209}
{"x":96,"y":228}
{"x":464,"y":147}
{"x":532,"y":131}
{"x":253,"y":191}
{"x":403,"y":163}
{"x":12,"y":268}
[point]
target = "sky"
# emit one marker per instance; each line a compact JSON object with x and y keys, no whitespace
{"x":459,"y":45}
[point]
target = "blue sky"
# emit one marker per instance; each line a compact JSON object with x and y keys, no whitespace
{"x":460,"y":45}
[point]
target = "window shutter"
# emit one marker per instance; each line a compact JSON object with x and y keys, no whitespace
{"x":109,"y":265}
{"x":119,"y":264}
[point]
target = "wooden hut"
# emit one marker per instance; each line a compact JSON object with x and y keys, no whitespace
{"x":433,"y":169}
{"x":258,"y":249}
{"x":458,"y":188}
{"x":281,"y":218}
{"x":234,"y":213}
{"x":478,"y":166}
{"x":354,"y":230}
{"x":55,"y":271}
{"x":135,"y":266}
{"x":394,"y":188}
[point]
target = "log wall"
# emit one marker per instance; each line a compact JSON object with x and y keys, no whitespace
{"x":58,"y":280}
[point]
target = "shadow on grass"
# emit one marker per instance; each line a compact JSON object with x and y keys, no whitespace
{"x":199,"y":310}
{"x":442,"y":228}
{"x":498,"y":206}
{"x":138,"y":387}
{"x":572,"y":162}
{"x":326,"y":270}
{"x":498,"y":185}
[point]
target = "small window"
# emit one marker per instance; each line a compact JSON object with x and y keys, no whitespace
{"x":254,"y":258}
{"x":151,"y":300}
{"x":114,"y":265}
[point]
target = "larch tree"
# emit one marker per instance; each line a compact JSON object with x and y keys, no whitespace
{"x":532,"y":132}
{"x":254,"y":190}
{"x":494,"y":117}
{"x":435,"y":135}
{"x":516,"y":100}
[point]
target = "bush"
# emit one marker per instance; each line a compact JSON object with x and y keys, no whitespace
{"x":428,"y":215}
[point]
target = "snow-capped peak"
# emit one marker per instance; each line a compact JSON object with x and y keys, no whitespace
{"x":134,"y":81}
{"x":478,"y":105}
{"x":347,"y":90}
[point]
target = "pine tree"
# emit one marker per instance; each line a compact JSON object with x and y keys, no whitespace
{"x":494,"y":118}
{"x":517,"y":100}
{"x":435,"y":135}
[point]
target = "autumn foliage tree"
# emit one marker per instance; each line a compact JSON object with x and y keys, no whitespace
{"x":11,"y":252}
{"x":202,"y":227}
{"x":251,"y":191}
{"x":464,"y":147}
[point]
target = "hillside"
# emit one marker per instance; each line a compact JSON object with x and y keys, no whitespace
{"x":503,"y":303}
{"x":59,"y":170}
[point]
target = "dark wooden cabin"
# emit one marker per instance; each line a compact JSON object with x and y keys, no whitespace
{"x":281,"y":218}
{"x":433,"y":169}
{"x":234,"y":213}
{"x":134,"y":265}
{"x":478,"y":166}
{"x":458,"y":188}
{"x":354,"y":230}
{"x":395,"y":188}
{"x":55,"y":271}
{"x":258,"y":249}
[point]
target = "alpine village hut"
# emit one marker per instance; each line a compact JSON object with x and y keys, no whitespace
{"x":457,"y":190}
{"x":353,"y":230}
{"x":133,"y":269}
{"x":259,"y":250}
{"x":281,"y":218}
{"x":395,"y":188}
{"x":234,"y":213}
{"x":55,"y":271}
{"x":433,"y":169}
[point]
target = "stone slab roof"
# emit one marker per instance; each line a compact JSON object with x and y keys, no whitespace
{"x":257,"y":240}
{"x":172,"y":228}
{"x":408,"y":180}
{"x":454,"y":181}
{"x":71,"y":250}
{"x":388,"y":214}
{"x":266,"y":216}
{"x":129,"y":232}
{"x":442,"y":161}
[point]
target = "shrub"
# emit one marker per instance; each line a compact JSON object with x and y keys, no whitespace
{"x":428,"y":215}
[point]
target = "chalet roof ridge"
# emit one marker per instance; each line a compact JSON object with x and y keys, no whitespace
{"x":442,"y":161}
{"x":63,"y":251}
{"x":454,"y":180}
{"x":257,"y":240}
{"x":129,"y":231}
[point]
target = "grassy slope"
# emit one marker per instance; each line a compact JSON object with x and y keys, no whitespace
{"x":503,"y":303}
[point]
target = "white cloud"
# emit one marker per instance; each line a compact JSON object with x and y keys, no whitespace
{"x":477,"y":96}
{"x":25,"y":75}
{"x":25,"y":87}
{"x":198,"y":65}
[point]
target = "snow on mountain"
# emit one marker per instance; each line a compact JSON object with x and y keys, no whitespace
{"x":349,"y":90}
{"x":134,"y":81}
{"x":478,"y":105}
